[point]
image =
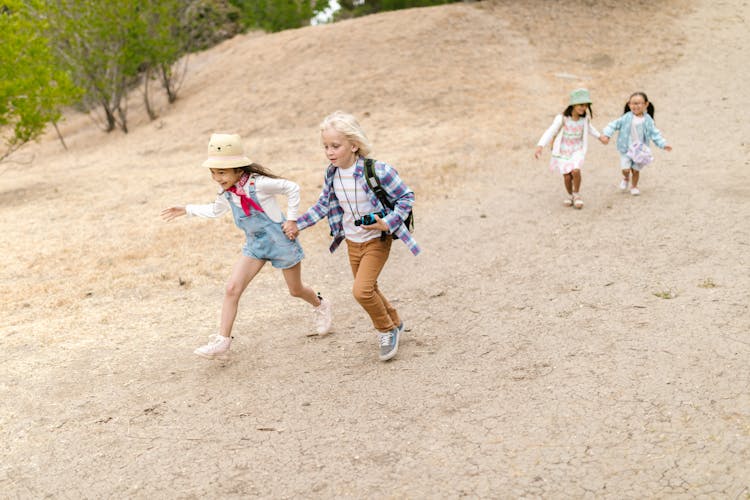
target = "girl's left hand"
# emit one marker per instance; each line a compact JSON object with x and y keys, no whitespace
{"x":668,"y":148}
{"x":379,"y":224}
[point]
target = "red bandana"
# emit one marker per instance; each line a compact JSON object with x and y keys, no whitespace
{"x":245,"y":200}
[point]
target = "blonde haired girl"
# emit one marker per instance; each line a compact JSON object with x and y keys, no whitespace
{"x":348,"y":126}
{"x":355,"y":214}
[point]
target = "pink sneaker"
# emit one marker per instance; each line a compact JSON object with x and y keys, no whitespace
{"x":323,"y":317}
{"x":217,"y":346}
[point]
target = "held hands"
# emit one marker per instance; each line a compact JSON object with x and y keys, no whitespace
{"x":290,"y":229}
{"x":379,"y":225}
{"x":604,"y":139}
{"x":172,"y":213}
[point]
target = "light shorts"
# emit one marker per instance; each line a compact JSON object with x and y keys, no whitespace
{"x":271,"y":244}
{"x":626,"y":163}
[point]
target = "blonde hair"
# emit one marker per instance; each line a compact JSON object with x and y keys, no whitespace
{"x":347,"y":125}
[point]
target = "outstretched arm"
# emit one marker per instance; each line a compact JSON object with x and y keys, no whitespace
{"x":172,"y":213}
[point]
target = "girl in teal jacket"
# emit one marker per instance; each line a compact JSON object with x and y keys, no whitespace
{"x":635,"y":126}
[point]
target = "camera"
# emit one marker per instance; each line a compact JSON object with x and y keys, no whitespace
{"x":368,"y":219}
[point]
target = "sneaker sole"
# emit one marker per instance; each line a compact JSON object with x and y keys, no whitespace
{"x":224,"y":355}
{"x":391,"y":354}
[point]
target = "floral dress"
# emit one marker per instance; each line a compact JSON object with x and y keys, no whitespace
{"x":571,"y":153}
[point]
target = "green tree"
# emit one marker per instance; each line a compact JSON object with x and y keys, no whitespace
{"x":98,"y":42}
{"x":277,"y":15}
{"x":162,"y":38}
{"x":33,"y":88}
{"x":356,"y":8}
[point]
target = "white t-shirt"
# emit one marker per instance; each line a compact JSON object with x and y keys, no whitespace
{"x":355,"y":203}
{"x":636,"y":128}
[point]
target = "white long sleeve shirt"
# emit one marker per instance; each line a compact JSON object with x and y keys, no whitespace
{"x":554,"y":132}
{"x":266,"y":190}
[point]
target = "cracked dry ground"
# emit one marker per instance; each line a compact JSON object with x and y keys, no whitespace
{"x":552,"y":353}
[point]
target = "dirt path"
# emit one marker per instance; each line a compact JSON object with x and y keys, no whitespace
{"x":543,"y":356}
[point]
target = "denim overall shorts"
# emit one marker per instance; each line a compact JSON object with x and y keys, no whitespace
{"x":265,"y":238}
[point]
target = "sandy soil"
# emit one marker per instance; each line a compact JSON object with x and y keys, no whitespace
{"x":550,"y":352}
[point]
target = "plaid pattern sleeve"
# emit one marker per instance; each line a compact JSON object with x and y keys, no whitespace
{"x":403,"y":198}
{"x":326,"y":206}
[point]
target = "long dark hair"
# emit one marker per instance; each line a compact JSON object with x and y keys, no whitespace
{"x":649,"y":108}
{"x":256,"y":168}
{"x":569,"y":110}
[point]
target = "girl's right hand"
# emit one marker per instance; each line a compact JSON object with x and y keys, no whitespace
{"x":538,"y":152}
{"x":172,"y":213}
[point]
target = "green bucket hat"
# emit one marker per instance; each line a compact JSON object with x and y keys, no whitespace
{"x":579,"y":96}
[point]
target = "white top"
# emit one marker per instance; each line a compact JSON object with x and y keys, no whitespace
{"x":266,"y":190}
{"x":554,"y":132}
{"x":355,"y":203}
{"x":636,"y":128}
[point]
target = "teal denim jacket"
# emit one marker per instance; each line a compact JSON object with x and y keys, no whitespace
{"x":623,"y":124}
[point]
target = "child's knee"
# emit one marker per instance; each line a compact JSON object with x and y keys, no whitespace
{"x":363,"y":294}
{"x":233,"y":289}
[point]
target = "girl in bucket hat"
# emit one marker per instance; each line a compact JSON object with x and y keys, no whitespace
{"x":248,"y":190}
{"x":570,"y":131}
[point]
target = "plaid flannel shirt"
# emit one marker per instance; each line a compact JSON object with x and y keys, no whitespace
{"x":328,"y":205}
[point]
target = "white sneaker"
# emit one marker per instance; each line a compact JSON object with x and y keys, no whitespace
{"x":323,"y":316}
{"x":635,"y":191}
{"x":624,"y":185}
{"x":218,"y":345}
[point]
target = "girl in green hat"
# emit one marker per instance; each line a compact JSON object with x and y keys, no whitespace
{"x":570,"y":131}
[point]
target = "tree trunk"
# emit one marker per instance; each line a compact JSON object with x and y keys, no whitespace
{"x":146,"y":99}
{"x":167,"y":79}
{"x":59,"y":135}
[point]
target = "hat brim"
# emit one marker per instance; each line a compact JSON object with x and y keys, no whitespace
{"x":228,"y":162}
{"x":579,"y":101}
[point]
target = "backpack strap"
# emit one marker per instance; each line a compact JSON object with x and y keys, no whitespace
{"x":371,"y":177}
{"x":374,"y":183}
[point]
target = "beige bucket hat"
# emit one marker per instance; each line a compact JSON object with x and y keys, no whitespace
{"x":226,"y":151}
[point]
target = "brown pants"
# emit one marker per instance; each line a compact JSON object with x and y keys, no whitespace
{"x":367,"y":260}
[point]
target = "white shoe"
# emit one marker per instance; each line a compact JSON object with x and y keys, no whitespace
{"x":218,"y":345}
{"x":624,"y":185}
{"x":635,"y":191}
{"x":323,"y":316}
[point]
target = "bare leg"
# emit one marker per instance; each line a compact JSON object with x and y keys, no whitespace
{"x":297,"y":288}
{"x":636,"y":176}
{"x":568,"y":179}
{"x":626,"y":174}
{"x":244,"y":271}
{"x":576,"y":180}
